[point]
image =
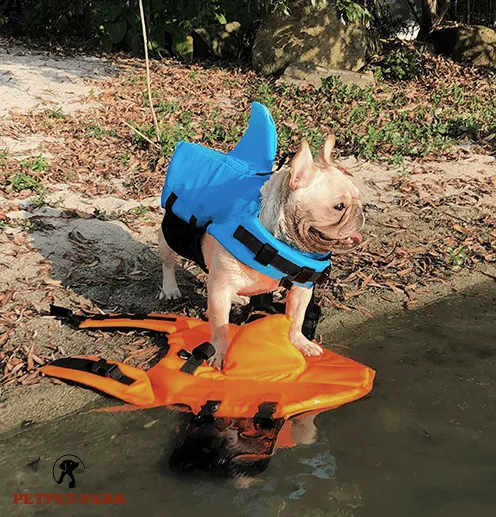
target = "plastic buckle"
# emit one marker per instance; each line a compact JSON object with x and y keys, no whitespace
{"x":199,"y":354}
{"x":183,"y":354}
{"x":263,"y":417}
{"x":206,"y":413}
{"x":324,"y":276}
{"x":304,"y":275}
{"x":104,"y":369}
{"x":266,"y":254}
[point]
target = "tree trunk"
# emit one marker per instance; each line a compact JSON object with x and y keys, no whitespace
{"x":433,"y":11}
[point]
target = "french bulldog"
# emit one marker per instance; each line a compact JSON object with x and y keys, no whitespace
{"x":310,"y":205}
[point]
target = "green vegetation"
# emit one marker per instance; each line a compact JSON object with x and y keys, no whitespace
{"x":22,"y":181}
{"x":35,"y":225}
{"x":36,"y":164}
{"x":140,"y":210}
{"x":401,"y":64}
{"x":456,"y":257}
{"x":98,"y":132}
{"x":57,"y":113}
{"x":116,"y":25}
{"x":391,"y":121}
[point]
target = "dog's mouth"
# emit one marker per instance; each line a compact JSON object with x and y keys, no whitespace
{"x":337,"y":246}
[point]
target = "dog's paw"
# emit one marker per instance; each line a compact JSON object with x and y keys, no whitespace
{"x":307,"y":347}
{"x":170,"y":294}
{"x":241,"y":300}
{"x":217,"y":361}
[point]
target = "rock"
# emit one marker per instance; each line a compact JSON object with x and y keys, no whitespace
{"x":311,"y":35}
{"x":474,"y":44}
{"x":304,"y":74}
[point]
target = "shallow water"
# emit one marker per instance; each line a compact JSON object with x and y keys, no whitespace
{"x":422,"y":444}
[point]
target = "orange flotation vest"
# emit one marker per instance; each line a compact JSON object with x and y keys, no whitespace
{"x":264,"y":375}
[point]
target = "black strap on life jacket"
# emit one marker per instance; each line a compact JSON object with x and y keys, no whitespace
{"x":199,"y":354}
{"x":266,"y":255}
{"x":262,"y":305}
{"x":101,"y":368}
{"x":184,"y":237}
{"x":67,"y":315}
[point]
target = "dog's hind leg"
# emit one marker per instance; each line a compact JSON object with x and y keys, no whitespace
{"x":169,"y":290}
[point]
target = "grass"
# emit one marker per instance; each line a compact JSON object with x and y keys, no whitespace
{"x":140,"y":210}
{"x":380,"y":122}
{"x":22,"y":181}
{"x":57,"y":113}
{"x":36,"y":164}
{"x":124,"y":158}
{"x":26,"y":178}
{"x":33,"y":225}
{"x":98,"y":132}
{"x":456,"y":257}
{"x":420,"y":109}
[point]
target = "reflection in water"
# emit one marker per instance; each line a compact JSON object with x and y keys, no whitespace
{"x":300,"y":478}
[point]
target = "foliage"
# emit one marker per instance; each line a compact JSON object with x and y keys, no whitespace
{"x":22,"y":181}
{"x":171,"y":24}
{"x":456,"y":257}
{"x":401,"y":64}
{"x":353,"y":11}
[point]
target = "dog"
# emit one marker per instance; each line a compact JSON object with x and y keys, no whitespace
{"x":310,"y":205}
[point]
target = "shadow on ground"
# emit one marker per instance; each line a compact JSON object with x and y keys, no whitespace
{"x":101,"y":261}
{"x":422,"y":444}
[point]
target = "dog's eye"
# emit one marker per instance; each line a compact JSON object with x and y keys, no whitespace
{"x":339,"y":207}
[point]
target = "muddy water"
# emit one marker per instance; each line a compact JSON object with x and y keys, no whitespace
{"x":423,"y":444}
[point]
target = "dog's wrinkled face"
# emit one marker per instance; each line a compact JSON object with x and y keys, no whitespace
{"x":323,"y":211}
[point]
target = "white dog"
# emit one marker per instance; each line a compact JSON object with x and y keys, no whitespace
{"x":310,"y":205}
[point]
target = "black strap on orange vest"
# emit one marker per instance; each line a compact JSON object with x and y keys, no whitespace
{"x":100,"y":367}
{"x":199,"y":354}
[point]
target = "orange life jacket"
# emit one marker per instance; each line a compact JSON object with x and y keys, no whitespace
{"x":263,"y":372}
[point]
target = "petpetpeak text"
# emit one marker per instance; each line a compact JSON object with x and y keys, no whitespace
{"x":94,"y":499}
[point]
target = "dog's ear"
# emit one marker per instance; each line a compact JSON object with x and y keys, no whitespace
{"x":324,"y":158}
{"x":302,"y":168}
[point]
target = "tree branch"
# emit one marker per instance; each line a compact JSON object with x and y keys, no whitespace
{"x":145,"y":42}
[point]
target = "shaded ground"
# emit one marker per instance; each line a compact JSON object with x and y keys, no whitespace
{"x":79,"y":213}
{"x":421,"y":445}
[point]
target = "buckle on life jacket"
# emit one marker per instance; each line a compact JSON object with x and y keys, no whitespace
{"x":199,"y":354}
{"x":104,"y":369}
{"x":207,"y":412}
{"x":101,"y":368}
{"x":263,"y":418}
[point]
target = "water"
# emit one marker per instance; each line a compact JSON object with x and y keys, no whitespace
{"x":422,"y":444}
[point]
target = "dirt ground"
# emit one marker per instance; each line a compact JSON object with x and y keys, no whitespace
{"x":98,"y":252}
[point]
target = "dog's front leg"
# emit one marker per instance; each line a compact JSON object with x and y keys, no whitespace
{"x":219,"y":306}
{"x":297,"y":300}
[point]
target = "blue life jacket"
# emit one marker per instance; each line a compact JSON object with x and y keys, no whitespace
{"x":210,"y":191}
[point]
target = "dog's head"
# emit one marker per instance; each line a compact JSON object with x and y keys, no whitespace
{"x":323,"y":211}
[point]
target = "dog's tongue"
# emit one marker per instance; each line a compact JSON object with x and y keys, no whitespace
{"x":356,"y":237}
